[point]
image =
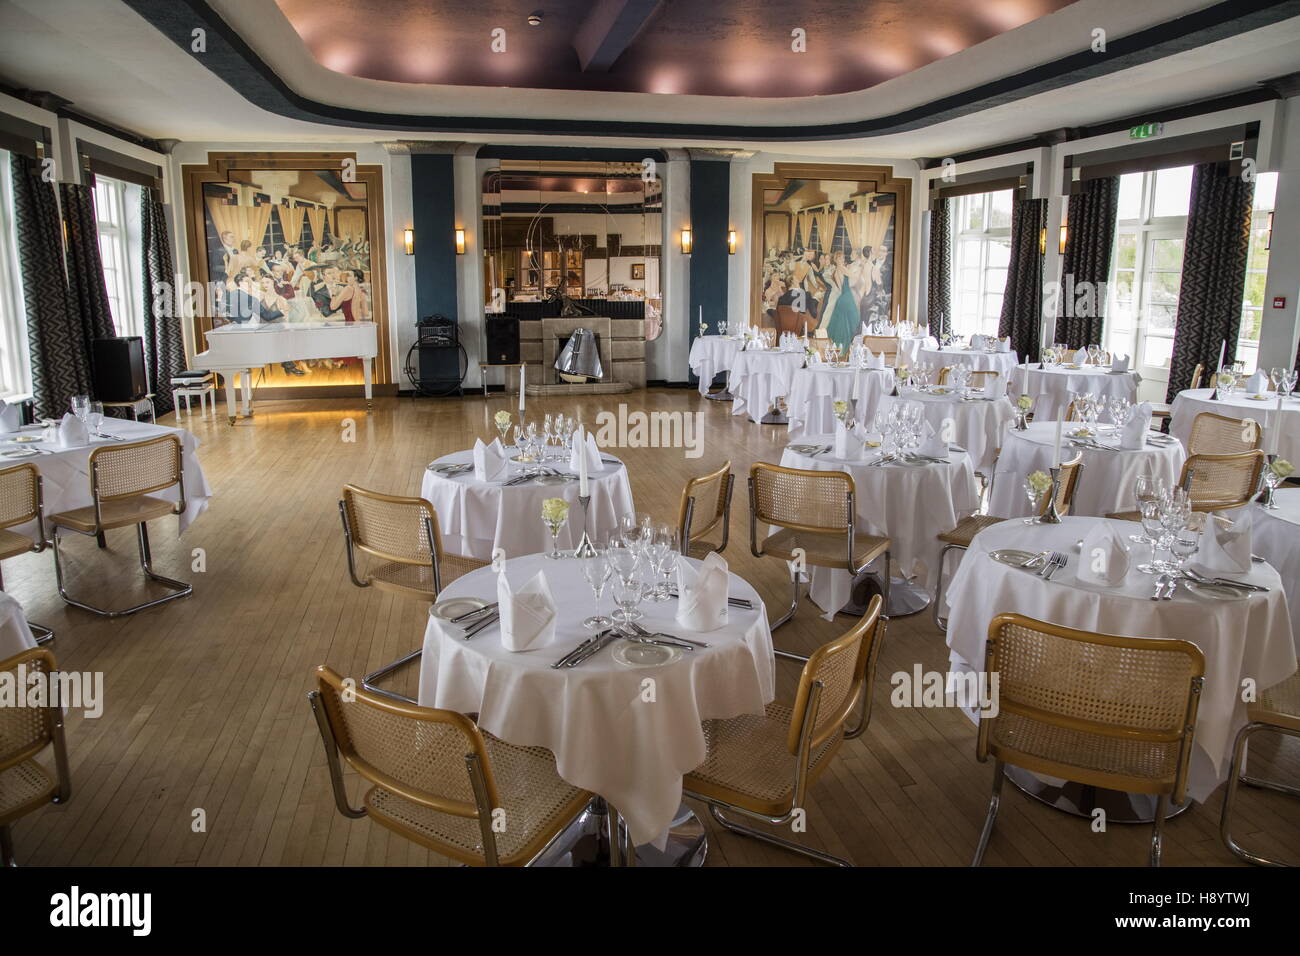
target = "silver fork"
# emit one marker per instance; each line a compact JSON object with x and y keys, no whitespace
{"x":1160,"y":586}
{"x":1048,"y":564}
{"x":1171,"y":587}
{"x":1058,"y":562}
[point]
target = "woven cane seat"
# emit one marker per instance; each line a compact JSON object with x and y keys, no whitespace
{"x":118,"y":513}
{"x":824,"y":550}
{"x":416,"y":580}
{"x":967,"y":528}
{"x":12,"y":544}
{"x":24,"y":787}
{"x":1125,"y":516}
{"x":1279,"y":705}
{"x":538,"y":804}
{"x":749,"y":763}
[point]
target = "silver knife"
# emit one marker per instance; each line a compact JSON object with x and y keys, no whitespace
{"x":485,"y":609}
{"x":577,"y":650}
{"x":477,"y":626}
{"x":596,"y":647}
{"x":661,"y":637}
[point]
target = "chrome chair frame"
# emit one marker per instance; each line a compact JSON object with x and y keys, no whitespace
{"x":1237,"y":774}
{"x":684,"y":532}
{"x":43,"y":634}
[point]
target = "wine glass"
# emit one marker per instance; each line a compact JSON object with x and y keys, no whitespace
{"x":79,"y":406}
{"x":1183,"y":546}
{"x":1150,"y":511}
{"x":635,"y":527}
{"x":627,"y":595}
{"x":596,"y":569}
{"x":1146,"y":488}
{"x":554,"y":518}
{"x":95,"y":417}
{"x":1035,"y":495}
{"x":664,"y":560}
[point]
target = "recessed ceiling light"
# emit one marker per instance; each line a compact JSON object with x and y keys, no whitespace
{"x":535,"y":18}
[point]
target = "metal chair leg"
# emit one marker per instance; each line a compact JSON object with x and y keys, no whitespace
{"x":42,"y":633}
{"x":1158,"y":829}
{"x":368,"y":682}
{"x":790,"y":845}
{"x":794,"y":602}
{"x":180,"y":588}
{"x":942,"y":622}
{"x":995,"y":801}
{"x":1236,"y":774}
{"x":7,"y":847}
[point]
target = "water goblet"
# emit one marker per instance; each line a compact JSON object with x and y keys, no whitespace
{"x":596,"y":569}
{"x":1035,"y":496}
{"x":627,"y":595}
{"x":95,"y":417}
{"x":1150,"y":511}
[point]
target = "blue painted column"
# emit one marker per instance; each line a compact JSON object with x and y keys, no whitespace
{"x":710,"y":220}
{"x":433,"y":202}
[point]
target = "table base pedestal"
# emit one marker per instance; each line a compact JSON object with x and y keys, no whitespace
{"x":1081,"y":800}
{"x":586,"y":842}
{"x":722,"y":396}
{"x":774,"y":416}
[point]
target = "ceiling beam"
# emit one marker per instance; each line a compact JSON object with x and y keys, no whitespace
{"x":608,"y":30}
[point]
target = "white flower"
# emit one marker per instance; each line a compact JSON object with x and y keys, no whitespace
{"x":1282,"y":468}
{"x":502,"y":418}
{"x":555,"y":510}
{"x":1040,"y":481}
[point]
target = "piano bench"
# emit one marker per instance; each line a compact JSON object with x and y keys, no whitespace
{"x":202,"y":392}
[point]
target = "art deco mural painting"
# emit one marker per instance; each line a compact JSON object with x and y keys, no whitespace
{"x":833,"y":249}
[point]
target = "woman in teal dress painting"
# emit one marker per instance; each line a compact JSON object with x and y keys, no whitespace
{"x":840,"y":313}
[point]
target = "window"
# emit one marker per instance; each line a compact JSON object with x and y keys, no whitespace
{"x":981,"y":254}
{"x":1252,"y":304}
{"x":15,"y":377}
{"x":117,"y":211}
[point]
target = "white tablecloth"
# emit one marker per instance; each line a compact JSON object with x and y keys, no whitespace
{"x":477,"y":517}
{"x":909,"y":504}
{"x":1053,"y":388}
{"x":1246,"y":637}
{"x":759,"y":377}
{"x":65,"y":472}
{"x":605,"y":737}
{"x":15,"y":635}
{"x":1188,"y":404}
{"x":910,"y":346}
{"x":979,"y":360}
{"x":815,"y":388}
{"x":1275,"y":537}
{"x":710,"y":355}
{"x":1105,"y":484}
{"x":975,"y":425}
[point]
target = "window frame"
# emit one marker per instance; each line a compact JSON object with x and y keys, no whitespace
{"x":982,"y":240}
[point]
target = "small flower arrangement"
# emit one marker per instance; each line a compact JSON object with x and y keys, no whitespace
{"x":555,"y":510}
{"x":1282,"y":468}
{"x":1225,"y":379}
{"x":1040,"y":481}
{"x":1024,"y":403}
{"x":502,"y":419}
{"x":840,"y":407}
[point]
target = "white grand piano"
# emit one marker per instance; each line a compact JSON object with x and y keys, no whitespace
{"x":238,"y":348}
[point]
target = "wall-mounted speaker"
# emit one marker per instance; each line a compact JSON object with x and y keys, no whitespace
{"x":502,"y":340}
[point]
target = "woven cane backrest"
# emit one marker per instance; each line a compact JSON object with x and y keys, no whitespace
{"x":844,"y":668}
{"x":1214,"y":434}
{"x":19,"y":499}
{"x":814,"y":501}
{"x":123,"y":471}
{"x":1221,"y":482}
{"x":887,"y":344}
{"x":390,"y":527}
{"x":1197,"y":373}
{"x":710,"y":494}
{"x":979,"y":378}
{"x":416,"y":752}
{"x":25,"y":731}
{"x":1121,"y":687}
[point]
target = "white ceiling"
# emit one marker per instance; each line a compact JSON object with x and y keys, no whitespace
{"x":116,"y":67}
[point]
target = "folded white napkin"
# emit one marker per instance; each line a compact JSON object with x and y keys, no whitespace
{"x":702,"y":593}
{"x":1004,"y":345}
{"x":527,"y":615}
{"x":11,"y":417}
{"x":1257,"y":384}
{"x":1119,"y":363}
{"x":1103,"y":559}
{"x":1133,"y":436}
{"x":847,"y":446}
{"x":72,"y":432}
{"x":977,"y":342}
{"x":875,"y":361}
{"x":591,"y":450}
{"x":1080,"y":357}
{"x":932,"y":444}
{"x":490,"y":461}
{"x":1225,"y":548}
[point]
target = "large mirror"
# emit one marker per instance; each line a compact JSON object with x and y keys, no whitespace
{"x":578,"y":236}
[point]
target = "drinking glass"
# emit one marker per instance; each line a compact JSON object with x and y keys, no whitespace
{"x":664,"y":561}
{"x":95,"y":417}
{"x":622,"y":559}
{"x":635,"y":527}
{"x":1146,"y":488}
{"x":627,"y":595}
{"x":553,"y":525}
{"x":597,"y":571}
{"x":1150,"y":511}
{"x":1035,"y":497}
{"x":79,"y":406}
{"x":1183,"y":546}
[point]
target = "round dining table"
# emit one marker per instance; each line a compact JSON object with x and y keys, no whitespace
{"x":980,"y":360}
{"x":815,"y":388}
{"x":911,"y":503}
{"x":910,"y":346}
{"x":976,"y":423}
{"x":710,"y":356}
{"x":609,"y":734}
{"x":1054,"y":387}
{"x":1191,"y":402}
{"x":1275,"y":537}
{"x":1106,"y":482}
{"x":758,"y":378}
{"x":15,"y":635}
{"x":477,"y":517}
{"x":1246,"y":637}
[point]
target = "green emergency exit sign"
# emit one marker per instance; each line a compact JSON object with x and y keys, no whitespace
{"x":1146,"y":130}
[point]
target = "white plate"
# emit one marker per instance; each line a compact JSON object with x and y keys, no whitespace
{"x":20,"y":453}
{"x":1012,"y":556}
{"x":633,"y":654}
{"x":553,"y":479}
{"x":27,"y":438}
{"x":1217,"y":592}
{"x":455,"y":607}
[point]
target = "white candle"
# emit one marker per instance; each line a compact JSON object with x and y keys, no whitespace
{"x":1056,"y":448}
{"x":1275,"y":428}
{"x":581,"y":448}
{"x":701,"y":320}
{"x":522,"y":369}
{"x":1223,"y":349}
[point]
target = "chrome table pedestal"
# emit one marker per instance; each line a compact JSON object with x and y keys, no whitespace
{"x":586,"y":842}
{"x":1081,"y":799}
{"x":721,"y":396}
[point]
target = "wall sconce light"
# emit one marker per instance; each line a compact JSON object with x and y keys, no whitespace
{"x":408,"y":241}
{"x":1065,"y":232}
{"x":460,"y":242}
{"x":1042,"y":241}
{"x":688,"y":242}
{"x":731,"y":242}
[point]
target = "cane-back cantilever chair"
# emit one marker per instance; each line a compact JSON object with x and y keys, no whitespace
{"x":705,"y":509}
{"x":1214,"y":434}
{"x":435,"y":778}
{"x":979,"y":378}
{"x":762,"y":767}
{"x":26,"y":785}
{"x":886,"y":345}
{"x":21,"y":502}
{"x":960,"y":537}
{"x":812,"y":521}
{"x":1216,"y":482}
{"x":123,"y":480}
{"x":1277,"y":710}
{"x":1103,"y":711}
{"x":394,"y":544}
{"x":1164,"y":410}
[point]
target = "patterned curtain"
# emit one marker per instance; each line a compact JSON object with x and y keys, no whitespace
{"x":85,"y":271}
{"x":164,"y":347}
{"x":1214,"y":272}
{"x":939,"y":298}
{"x":1091,"y":236}
{"x":1022,"y":300}
{"x":60,"y":364}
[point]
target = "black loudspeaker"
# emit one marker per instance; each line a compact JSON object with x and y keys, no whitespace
{"x":119,"y":369}
{"x":502,"y":340}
